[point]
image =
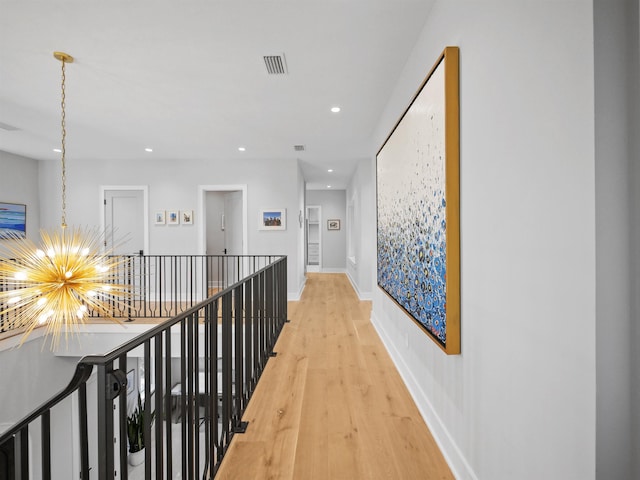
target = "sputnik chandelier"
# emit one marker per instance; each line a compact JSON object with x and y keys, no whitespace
{"x":58,"y":284}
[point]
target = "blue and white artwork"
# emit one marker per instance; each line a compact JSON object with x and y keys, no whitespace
{"x":13,"y":220}
{"x":412,"y":221}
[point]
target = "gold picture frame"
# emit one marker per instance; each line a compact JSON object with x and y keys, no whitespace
{"x":418,"y":206}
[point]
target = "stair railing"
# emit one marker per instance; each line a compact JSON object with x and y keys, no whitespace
{"x":195,"y":375}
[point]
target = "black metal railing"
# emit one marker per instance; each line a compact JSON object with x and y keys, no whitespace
{"x":162,"y":286}
{"x":195,"y":374}
{"x":165,"y":285}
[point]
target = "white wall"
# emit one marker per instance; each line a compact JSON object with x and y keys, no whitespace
{"x":173,"y":185}
{"x":361,"y":260}
{"x":299,"y":222}
{"x":519,"y":402}
{"x":616,"y":56}
{"x":334,"y":242}
{"x":32,"y":374}
{"x":19,"y":184}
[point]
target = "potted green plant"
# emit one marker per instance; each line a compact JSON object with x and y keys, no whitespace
{"x":135,"y":432}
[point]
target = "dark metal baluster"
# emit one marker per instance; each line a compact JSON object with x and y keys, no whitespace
{"x":147,"y":410}
{"x":159,"y":396}
{"x":223,"y":272}
{"x":248,"y":335}
{"x":168,"y":403}
{"x":84,"y":435}
{"x":130,"y":285}
{"x":207,"y":386}
{"x":21,"y":446}
{"x":263,"y":324}
{"x":173,"y":309}
{"x":216,"y":388}
{"x":122,"y":421}
{"x":160,"y":281}
{"x":283,"y":287}
{"x":46,"y":445}
{"x":105,"y":424}
{"x":255,"y":322}
{"x":188,"y":386}
{"x":226,"y":367}
{"x":183,"y":395}
{"x":196,"y":395}
{"x":269,"y":305}
{"x":238,"y":383}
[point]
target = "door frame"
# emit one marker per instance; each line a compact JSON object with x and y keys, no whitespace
{"x":314,"y":268}
{"x":201,"y":219}
{"x":145,"y":201}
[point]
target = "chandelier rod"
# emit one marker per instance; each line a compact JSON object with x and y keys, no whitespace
{"x":64,"y":59}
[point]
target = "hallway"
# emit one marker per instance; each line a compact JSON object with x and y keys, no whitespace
{"x":331,"y":404}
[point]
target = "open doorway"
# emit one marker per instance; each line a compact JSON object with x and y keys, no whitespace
{"x":314,"y":238}
{"x":223,"y":231}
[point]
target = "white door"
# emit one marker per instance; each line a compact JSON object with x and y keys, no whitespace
{"x":124,"y":221}
{"x":215,"y":223}
{"x":233,"y":231}
{"x":224,"y":234}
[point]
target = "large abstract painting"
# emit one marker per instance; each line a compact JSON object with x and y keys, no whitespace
{"x":418,"y":207}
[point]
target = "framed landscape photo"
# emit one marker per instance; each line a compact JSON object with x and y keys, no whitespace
{"x":186,"y":217}
{"x":160,"y":218}
{"x":172,"y":217}
{"x":272,"y":219}
{"x":418,"y":207}
{"x":333,"y":224}
{"x":13,"y":220}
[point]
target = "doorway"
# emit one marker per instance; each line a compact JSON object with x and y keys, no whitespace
{"x":223,"y":218}
{"x":223,"y":231}
{"x":125,"y":219}
{"x":314,"y":238}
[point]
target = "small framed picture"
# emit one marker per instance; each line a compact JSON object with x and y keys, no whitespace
{"x":272,"y":219}
{"x":160,"y":218}
{"x":172,"y":217}
{"x":131,"y":381}
{"x":333,"y":224}
{"x":186,"y":217}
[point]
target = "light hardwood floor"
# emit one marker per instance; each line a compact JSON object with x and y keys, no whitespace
{"x":331,"y":404}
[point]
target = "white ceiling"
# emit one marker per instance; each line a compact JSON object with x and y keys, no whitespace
{"x":187,"y":78}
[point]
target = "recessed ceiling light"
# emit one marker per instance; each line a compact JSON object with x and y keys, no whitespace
{"x":148,"y":149}
{"x":335,"y":109}
{"x":57,"y":150}
{"x":241,"y":149}
{"x":328,"y":186}
{"x":330,"y":170}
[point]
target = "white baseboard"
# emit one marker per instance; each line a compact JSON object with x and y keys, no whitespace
{"x":295,"y":296}
{"x":455,"y":459}
{"x":361,"y":295}
{"x":332,"y":270}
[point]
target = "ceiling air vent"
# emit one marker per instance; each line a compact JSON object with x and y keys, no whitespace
{"x":298,"y":148}
{"x":8,"y":128}
{"x":276,"y":64}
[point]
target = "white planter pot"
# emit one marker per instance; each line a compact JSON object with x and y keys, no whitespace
{"x":136,"y":458}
